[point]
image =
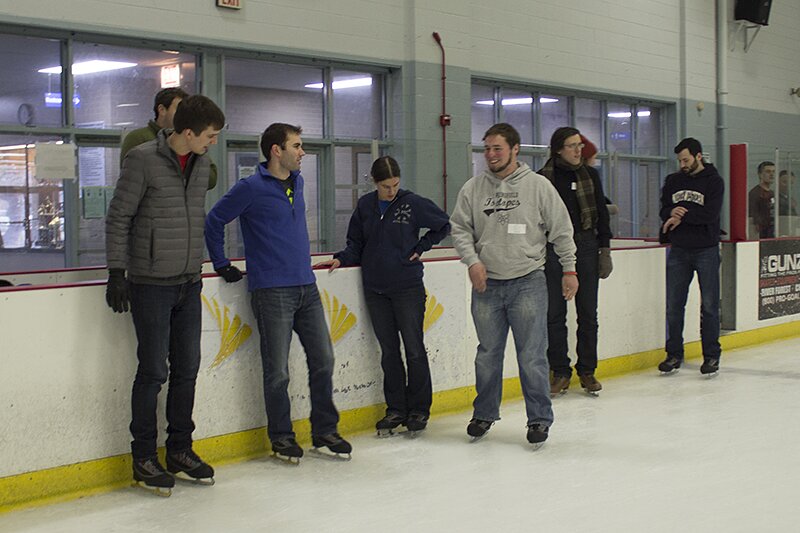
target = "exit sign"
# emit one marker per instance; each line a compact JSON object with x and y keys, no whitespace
{"x":231,"y":4}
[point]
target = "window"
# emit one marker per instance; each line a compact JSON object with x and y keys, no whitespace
{"x":555,"y":114}
{"x":620,"y":128}
{"x":31,"y":210}
{"x":357,"y":104}
{"x":339,"y":151}
{"x":98,"y":170}
{"x":589,"y":120}
{"x":483,"y":115}
{"x":517,"y":109}
{"x":114,"y":86}
{"x":258,"y":93}
{"x":628,"y":135}
{"x":28,"y":97}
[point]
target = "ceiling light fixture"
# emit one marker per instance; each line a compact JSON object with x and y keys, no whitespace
{"x":90,"y":67}
{"x":344,"y":84}
{"x":519,"y":101}
{"x":627,"y":114}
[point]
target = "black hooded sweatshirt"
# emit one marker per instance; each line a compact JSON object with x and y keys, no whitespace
{"x":702,"y":195}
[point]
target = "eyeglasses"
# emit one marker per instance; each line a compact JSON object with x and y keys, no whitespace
{"x":572,"y":146}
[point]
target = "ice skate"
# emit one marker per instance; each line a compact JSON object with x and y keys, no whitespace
{"x":151,"y":476}
{"x":287,"y":450}
{"x":710,"y":367}
{"x":187,"y":466}
{"x":338,"y":448}
{"x":387,"y":426}
{"x":670,"y":365}
{"x":537,"y":434}
{"x":416,"y":424}
{"x":477,"y":428}
{"x":590,"y":384}
{"x":558,"y":385}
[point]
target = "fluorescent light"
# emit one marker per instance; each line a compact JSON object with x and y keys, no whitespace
{"x":627,"y":114}
{"x":518,"y":101}
{"x":16,"y":147}
{"x":127,"y":105}
{"x":90,"y":67}
{"x":344,"y":84}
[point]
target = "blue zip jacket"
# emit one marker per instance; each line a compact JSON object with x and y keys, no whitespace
{"x":276,"y":247}
{"x":383,"y":244}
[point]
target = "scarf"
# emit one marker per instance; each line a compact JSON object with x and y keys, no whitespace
{"x":584,"y":190}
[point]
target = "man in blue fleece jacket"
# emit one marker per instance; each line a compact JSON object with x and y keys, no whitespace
{"x":691,"y":201}
{"x":272,"y":213}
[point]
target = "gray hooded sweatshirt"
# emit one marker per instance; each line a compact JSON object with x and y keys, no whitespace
{"x":506,"y":224}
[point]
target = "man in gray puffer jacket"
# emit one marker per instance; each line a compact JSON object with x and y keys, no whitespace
{"x":154,"y":231}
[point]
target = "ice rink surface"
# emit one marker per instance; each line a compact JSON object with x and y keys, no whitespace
{"x":678,"y":453}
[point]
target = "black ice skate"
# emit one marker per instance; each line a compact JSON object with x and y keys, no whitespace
{"x":590,"y":384}
{"x":338,"y":448}
{"x":387,"y":426}
{"x":187,"y":466}
{"x":416,"y":423}
{"x":477,"y":428}
{"x":710,"y":367}
{"x":151,"y":476}
{"x":537,"y":434}
{"x":670,"y":364}
{"x":287,"y":450}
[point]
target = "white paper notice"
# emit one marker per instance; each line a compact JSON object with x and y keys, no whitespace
{"x":55,"y":161}
{"x":517,"y":229}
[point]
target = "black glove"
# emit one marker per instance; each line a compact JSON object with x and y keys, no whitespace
{"x":117,"y":295}
{"x":605,"y":266}
{"x":229,"y":273}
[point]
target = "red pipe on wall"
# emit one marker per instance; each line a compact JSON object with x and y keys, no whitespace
{"x":444,"y":121}
{"x":738,"y":192}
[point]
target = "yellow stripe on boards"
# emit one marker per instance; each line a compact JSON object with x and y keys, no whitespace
{"x":68,"y":482}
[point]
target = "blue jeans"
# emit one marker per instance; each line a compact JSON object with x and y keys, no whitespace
{"x":402,"y":311}
{"x":682,"y":263}
{"x":520,"y":303}
{"x":167,"y":321}
{"x":587,"y":266}
{"x":278,"y":311}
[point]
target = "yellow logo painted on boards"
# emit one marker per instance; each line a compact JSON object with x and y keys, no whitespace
{"x":433,"y":311}
{"x":340,"y":319}
{"x":232,"y":332}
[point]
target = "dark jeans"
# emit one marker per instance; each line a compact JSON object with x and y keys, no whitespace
{"x":402,"y":311}
{"x":682,"y":263}
{"x":278,"y":311}
{"x":585,"y":306}
{"x":167,"y":321}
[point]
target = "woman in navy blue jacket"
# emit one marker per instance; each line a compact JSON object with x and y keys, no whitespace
{"x":383,"y":237}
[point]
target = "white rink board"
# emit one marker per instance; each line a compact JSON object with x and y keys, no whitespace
{"x":68,"y":361}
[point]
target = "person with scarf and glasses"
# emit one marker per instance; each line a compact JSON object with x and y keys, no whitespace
{"x":579,"y":186}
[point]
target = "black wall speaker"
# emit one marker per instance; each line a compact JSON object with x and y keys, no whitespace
{"x":756,"y":11}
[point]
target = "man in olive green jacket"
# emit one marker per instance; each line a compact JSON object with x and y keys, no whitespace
{"x":166,"y":102}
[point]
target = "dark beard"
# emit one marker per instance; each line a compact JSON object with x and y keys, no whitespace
{"x":501,"y":169}
{"x":692,"y":168}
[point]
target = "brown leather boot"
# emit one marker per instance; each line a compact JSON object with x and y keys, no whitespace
{"x":558,"y":385}
{"x":590,"y":384}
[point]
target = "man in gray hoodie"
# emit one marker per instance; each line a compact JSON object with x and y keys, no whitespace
{"x":501,"y":225}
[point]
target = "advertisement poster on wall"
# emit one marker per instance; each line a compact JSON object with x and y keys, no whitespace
{"x":779,"y":278}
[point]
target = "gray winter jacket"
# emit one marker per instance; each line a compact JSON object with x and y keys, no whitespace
{"x":155,"y":222}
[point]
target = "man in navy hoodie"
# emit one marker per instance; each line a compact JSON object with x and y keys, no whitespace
{"x":272,"y":213}
{"x":691,"y":201}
